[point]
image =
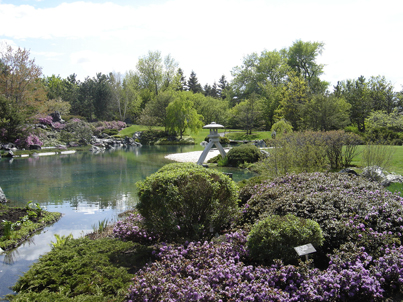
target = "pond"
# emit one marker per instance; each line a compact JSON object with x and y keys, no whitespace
{"x":86,"y":188}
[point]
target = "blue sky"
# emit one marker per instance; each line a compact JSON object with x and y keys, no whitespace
{"x":209,"y":37}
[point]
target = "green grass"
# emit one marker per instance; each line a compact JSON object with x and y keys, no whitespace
{"x":396,"y":188}
{"x":250,"y":137}
{"x":129,"y":131}
{"x":396,"y":164}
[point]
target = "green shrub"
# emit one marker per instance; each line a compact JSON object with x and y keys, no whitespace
{"x":352,"y":129}
{"x":215,"y":159}
{"x":341,"y":147}
{"x":110,"y":132}
{"x":187,"y":202}
{"x":244,"y":153}
{"x":397,"y":142}
{"x":223,"y":140}
{"x":310,"y":151}
{"x":151,"y":136}
{"x":276,"y":236}
{"x":381,"y":135}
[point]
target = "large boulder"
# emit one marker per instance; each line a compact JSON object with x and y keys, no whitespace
{"x":3,"y":198}
{"x":9,"y":146}
{"x":378,"y":174}
{"x":57,"y":117}
{"x":10,"y":154}
{"x":392,"y":178}
{"x":35,"y":147}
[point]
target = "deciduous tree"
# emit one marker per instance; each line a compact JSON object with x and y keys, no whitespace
{"x":302,"y":58}
{"x":20,"y":79}
{"x":181,"y":115}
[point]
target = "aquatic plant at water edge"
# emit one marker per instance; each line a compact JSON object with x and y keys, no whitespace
{"x":7,"y":229}
{"x":61,"y":240}
{"x":101,"y":226}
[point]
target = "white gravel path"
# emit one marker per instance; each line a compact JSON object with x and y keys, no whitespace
{"x":192,"y":157}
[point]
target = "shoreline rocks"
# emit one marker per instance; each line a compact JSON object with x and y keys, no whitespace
{"x":3,"y":198}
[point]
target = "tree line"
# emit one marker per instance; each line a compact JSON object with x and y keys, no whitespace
{"x":267,"y":87}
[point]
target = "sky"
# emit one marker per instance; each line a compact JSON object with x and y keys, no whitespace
{"x":209,"y":37}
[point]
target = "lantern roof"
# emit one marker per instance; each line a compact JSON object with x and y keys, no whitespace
{"x":213,"y":125}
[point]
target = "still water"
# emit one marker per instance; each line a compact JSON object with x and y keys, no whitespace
{"x":86,"y":188}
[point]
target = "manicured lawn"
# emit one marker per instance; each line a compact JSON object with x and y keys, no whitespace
{"x":129,"y":131}
{"x":396,"y":164}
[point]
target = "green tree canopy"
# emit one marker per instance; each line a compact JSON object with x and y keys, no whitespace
{"x":302,"y":58}
{"x":182,"y":115}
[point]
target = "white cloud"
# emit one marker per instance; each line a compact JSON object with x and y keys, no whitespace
{"x":93,"y":62}
{"x":212,"y":36}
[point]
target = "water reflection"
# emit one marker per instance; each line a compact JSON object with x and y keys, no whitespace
{"x":84,"y":187}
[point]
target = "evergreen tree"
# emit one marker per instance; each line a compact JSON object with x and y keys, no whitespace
{"x":194,"y":84}
{"x":207,"y":90}
{"x":214,"y":91}
{"x":182,"y":79}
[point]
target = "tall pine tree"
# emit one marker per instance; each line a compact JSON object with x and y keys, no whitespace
{"x":193,"y":83}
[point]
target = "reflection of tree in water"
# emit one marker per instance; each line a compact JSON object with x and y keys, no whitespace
{"x":10,"y":257}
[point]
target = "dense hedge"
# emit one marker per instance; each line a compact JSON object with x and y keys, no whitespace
{"x":347,"y":208}
{"x":187,"y":202}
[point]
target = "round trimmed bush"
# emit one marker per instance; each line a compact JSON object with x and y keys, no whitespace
{"x":187,"y":202}
{"x":244,"y":153}
{"x":276,"y":236}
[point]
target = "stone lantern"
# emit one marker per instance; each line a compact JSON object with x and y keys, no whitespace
{"x":214,"y":140}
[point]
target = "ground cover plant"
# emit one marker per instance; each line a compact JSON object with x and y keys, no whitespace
{"x":82,"y":270}
{"x":19,"y":223}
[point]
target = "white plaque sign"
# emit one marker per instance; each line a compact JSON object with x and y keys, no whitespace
{"x":305,"y":249}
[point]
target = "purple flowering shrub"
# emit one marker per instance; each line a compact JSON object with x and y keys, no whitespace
{"x":26,"y":142}
{"x":132,"y":229}
{"x":217,"y":272}
{"x":100,"y":127}
{"x":58,"y":126}
{"x":346,"y":207}
{"x":389,"y":269}
{"x":45,"y":120}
